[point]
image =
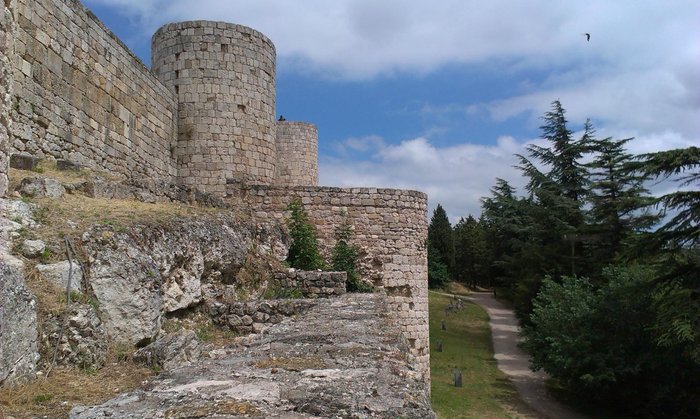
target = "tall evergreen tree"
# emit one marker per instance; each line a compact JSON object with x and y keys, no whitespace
{"x":619,"y":201}
{"x":441,"y":247}
{"x":471,"y":252}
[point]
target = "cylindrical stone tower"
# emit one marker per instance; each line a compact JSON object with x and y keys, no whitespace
{"x":297,"y":154}
{"x":224,"y":76}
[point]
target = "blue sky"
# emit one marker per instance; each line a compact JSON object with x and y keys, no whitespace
{"x":438,"y":95}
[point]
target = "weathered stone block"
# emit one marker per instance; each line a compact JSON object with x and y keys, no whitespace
{"x":23,"y":162}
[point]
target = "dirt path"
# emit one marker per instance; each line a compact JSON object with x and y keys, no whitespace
{"x":515,"y":363}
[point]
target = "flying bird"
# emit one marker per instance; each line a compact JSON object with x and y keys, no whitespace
{"x":588,"y":37}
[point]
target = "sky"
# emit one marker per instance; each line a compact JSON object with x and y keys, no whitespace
{"x":438,"y":95}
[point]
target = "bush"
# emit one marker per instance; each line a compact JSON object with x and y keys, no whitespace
{"x":600,"y":345}
{"x":344,"y":258}
{"x":303,"y":253}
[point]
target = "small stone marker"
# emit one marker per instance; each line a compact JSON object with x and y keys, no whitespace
{"x":442,"y":325}
{"x":439,"y":346}
{"x":458,"y":377}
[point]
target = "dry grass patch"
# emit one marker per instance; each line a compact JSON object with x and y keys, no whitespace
{"x":457,"y":288}
{"x":66,"y":388}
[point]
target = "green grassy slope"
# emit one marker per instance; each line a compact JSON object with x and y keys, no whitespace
{"x":485,"y":391}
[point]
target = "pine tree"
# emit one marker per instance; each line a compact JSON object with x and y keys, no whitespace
{"x":472,"y":258}
{"x":441,"y":241}
{"x":618,"y":199}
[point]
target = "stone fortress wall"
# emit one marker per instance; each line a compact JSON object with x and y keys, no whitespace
{"x":204,"y":119}
{"x":224,"y":77}
{"x":389,"y":225}
{"x":81,"y":95}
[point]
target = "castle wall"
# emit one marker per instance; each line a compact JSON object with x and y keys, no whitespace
{"x":297,"y":154}
{"x":224,"y":76}
{"x":390,"y":227}
{"x":81,"y":95}
{"x":6,"y":48}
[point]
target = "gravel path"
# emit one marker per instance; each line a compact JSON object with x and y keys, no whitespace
{"x":514,"y":362}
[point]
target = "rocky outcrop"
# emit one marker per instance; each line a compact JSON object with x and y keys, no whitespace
{"x":172,"y":351}
{"x":339,"y":359}
{"x":61,"y":272}
{"x":18,"y":319}
{"x":82,"y":339}
{"x":140,"y":274}
{"x":18,"y":323}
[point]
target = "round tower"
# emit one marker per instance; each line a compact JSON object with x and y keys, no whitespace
{"x":224,"y":77}
{"x":297,"y":154}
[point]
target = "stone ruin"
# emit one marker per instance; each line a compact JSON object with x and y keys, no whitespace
{"x":202,"y":119}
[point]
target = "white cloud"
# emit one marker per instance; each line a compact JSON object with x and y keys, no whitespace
{"x":456,"y":177}
{"x":638,"y":76}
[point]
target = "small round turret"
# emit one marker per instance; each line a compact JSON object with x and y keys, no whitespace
{"x":297,"y":154}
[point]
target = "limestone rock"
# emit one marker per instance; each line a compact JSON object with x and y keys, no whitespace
{"x":33,"y":248}
{"x":18,"y":323}
{"x":19,"y":211}
{"x":58,"y":274}
{"x":38,"y":187}
{"x":83,"y":343}
{"x":342,"y":358}
{"x":171,"y":351}
{"x":127,"y":285}
{"x":165,"y":268}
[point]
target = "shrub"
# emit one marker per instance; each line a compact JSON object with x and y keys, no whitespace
{"x":344,"y":258}
{"x":303,"y":253}
{"x":599,"y":344}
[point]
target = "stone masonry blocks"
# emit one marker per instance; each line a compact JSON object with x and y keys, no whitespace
{"x":390,"y":226}
{"x":81,"y":95}
{"x":297,"y":154}
{"x":224,"y":77}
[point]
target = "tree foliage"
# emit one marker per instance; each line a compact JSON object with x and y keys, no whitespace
{"x":345,"y":258}
{"x":303,"y":252}
{"x":441,"y":250}
{"x":599,"y":343}
{"x":629,"y":333}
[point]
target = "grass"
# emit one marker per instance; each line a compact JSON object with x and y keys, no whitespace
{"x":486,"y":392}
{"x":69,"y":387}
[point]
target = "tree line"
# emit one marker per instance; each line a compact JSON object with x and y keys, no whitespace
{"x":604,"y":277}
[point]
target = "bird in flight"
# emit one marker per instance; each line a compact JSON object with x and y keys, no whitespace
{"x":588,"y":37}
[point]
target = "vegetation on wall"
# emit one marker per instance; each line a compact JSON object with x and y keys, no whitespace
{"x":609,"y":301}
{"x":303,"y":252}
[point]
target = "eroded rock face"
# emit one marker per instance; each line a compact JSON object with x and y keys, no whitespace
{"x":172,"y":351}
{"x":19,"y":352}
{"x":18,"y":323}
{"x":140,"y":274}
{"x":339,"y":359}
{"x":59,"y":273}
{"x":83,"y":342}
